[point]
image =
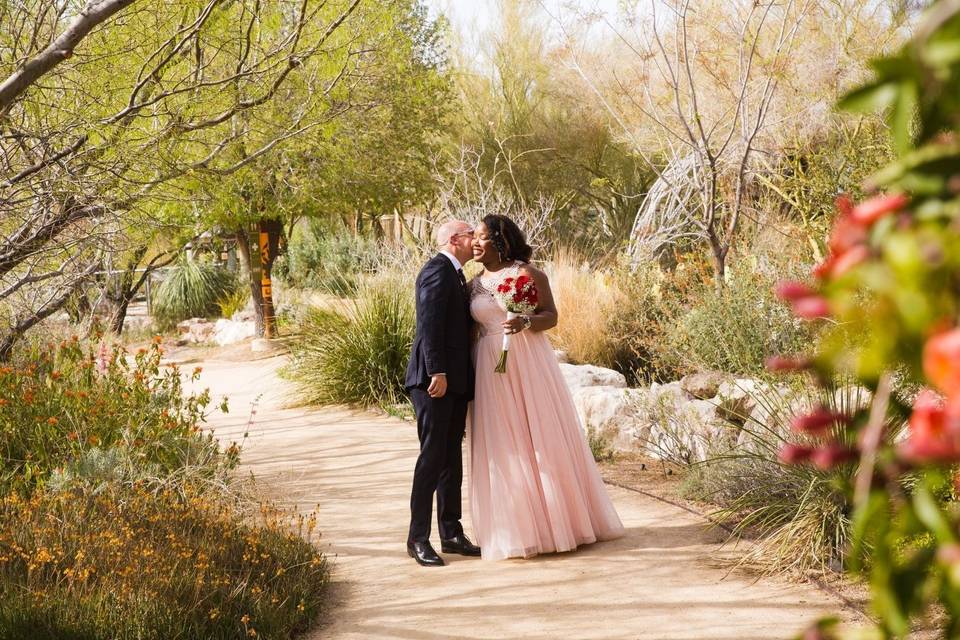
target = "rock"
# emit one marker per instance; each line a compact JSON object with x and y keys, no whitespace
{"x":851,"y":398}
{"x":687,"y":430}
{"x":561,"y":356}
{"x":586,"y":375}
{"x":195,"y":330}
{"x":703,"y":385}
{"x":233,"y":331}
{"x":671,"y":391}
{"x":737,"y":398}
{"x":244,"y":315}
{"x":615,"y":413}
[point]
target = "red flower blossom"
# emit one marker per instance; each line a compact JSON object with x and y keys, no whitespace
{"x":831,"y":455}
{"x":844,"y":204}
{"x":869,"y":211}
{"x":794,"y":453}
{"x":941,"y":361}
{"x":817,"y":421}
{"x":790,"y":290}
{"x":783,"y":364}
{"x":934,"y":431}
{"x":842,"y":263}
{"x":811,"y":308}
{"x":845,"y":235}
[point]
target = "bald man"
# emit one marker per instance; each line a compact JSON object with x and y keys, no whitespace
{"x":440,"y":382}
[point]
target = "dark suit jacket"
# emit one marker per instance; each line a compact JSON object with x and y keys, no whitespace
{"x":442,"y":341}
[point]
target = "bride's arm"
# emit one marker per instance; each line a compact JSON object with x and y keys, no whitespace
{"x":545,"y":317}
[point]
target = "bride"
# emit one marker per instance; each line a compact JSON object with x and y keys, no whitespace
{"x":534,"y":487}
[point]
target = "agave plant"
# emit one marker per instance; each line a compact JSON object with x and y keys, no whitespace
{"x":193,"y":289}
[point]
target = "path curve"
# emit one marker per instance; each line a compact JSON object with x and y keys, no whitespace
{"x":660,"y":582}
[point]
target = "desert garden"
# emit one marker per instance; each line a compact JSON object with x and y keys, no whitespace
{"x":212,"y":215}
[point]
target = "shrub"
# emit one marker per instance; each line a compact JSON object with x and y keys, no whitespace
{"x":610,"y":317}
{"x":327,"y":260}
{"x":734,"y":329}
{"x":57,"y":402}
{"x":357,"y":354}
{"x":800,"y":515}
{"x":600,"y":446}
{"x":191,"y":290}
{"x":585,"y":299}
{"x":132,"y":562}
{"x":233,"y":302}
{"x":119,"y":518}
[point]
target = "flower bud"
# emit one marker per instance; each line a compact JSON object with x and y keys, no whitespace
{"x":782,"y":364}
{"x":817,"y":421}
{"x":848,"y":260}
{"x":791,"y":453}
{"x":832,"y":455}
{"x":811,"y":308}
{"x":790,"y":290}
{"x":869,"y":211}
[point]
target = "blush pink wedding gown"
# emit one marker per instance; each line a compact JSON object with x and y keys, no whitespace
{"x":534,"y":487}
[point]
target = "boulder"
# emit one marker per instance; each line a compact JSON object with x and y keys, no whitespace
{"x":585,"y":375}
{"x":615,"y":413}
{"x":703,"y":385}
{"x":737,"y":398}
{"x":195,"y":330}
{"x":233,"y":331}
{"x":688,"y":431}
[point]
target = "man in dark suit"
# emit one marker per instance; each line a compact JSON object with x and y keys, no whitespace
{"x":440,"y":382}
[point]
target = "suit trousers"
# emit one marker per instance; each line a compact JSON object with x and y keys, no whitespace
{"x":441,"y":423}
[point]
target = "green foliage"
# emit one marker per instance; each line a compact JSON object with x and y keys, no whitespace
{"x":192,"y":290}
{"x":812,"y":173}
{"x":891,"y":279}
{"x":358,"y":354}
{"x":234,"y":302}
{"x":55,"y":405}
{"x":119,"y":518}
{"x":600,"y":446}
{"x":332,"y":261}
{"x":734,"y":329}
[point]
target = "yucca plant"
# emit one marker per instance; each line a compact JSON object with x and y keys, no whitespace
{"x":358,"y":354}
{"x":799,"y":517}
{"x":193,"y":289}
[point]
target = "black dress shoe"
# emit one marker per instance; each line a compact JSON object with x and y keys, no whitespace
{"x":424,"y":554}
{"x":459,"y":544}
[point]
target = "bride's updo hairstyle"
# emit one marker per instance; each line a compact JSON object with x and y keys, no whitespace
{"x":507,"y":238}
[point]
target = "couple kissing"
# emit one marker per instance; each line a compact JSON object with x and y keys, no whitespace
{"x":534,"y":486}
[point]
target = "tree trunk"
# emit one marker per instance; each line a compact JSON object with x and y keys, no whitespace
{"x":252,"y":270}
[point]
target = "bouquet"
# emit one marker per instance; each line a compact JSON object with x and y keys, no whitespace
{"x":519,"y":297}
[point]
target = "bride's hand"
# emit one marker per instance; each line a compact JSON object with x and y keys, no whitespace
{"x":516,"y":325}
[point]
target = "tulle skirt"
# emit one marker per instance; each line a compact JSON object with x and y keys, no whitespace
{"x":534,"y":486}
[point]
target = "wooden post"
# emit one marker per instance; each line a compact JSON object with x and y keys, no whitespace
{"x":269,"y":243}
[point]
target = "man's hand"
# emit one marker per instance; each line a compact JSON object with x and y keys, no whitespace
{"x":438,"y":386}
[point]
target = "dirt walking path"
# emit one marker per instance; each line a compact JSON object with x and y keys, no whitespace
{"x":661,"y":581}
